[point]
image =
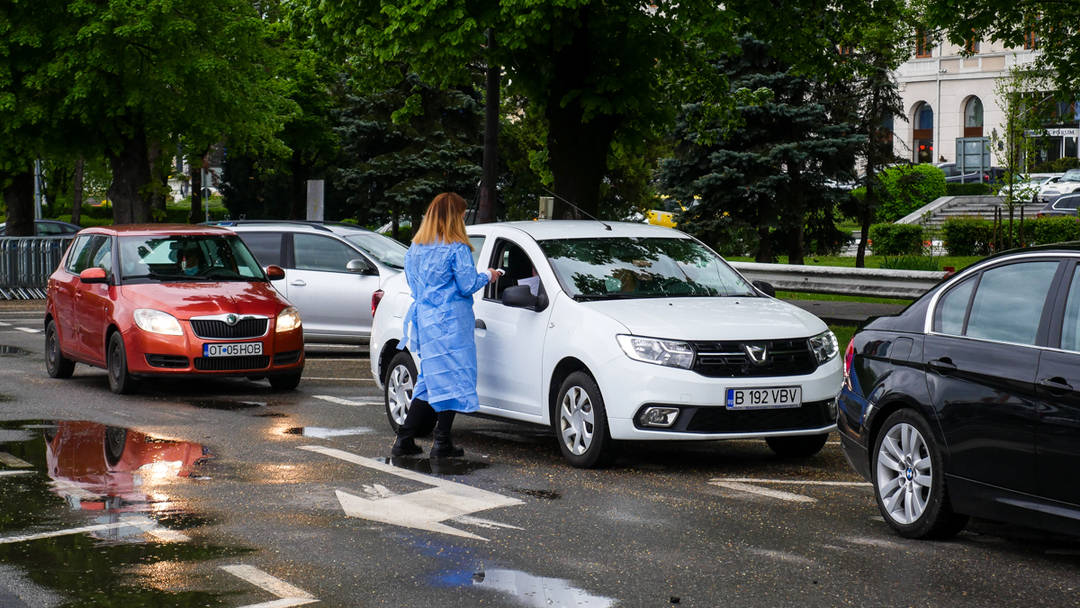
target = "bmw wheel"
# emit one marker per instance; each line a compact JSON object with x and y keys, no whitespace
{"x":56,"y":363}
{"x":909,"y":479}
{"x":581,"y":422}
{"x":398,"y":392}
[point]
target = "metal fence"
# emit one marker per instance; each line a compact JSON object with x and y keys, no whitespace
{"x":26,"y":263}
{"x":870,"y":282}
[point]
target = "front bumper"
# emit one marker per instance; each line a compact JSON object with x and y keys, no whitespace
{"x":151,"y":354}
{"x":630,"y":386}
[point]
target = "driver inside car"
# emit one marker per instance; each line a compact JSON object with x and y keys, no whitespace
{"x":190,"y":260}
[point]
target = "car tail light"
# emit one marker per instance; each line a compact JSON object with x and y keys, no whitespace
{"x":849,"y":355}
{"x":375,"y":299}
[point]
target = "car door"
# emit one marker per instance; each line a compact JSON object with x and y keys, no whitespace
{"x":509,"y":340}
{"x":1058,"y":385}
{"x":93,"y":302}
{"x":64,"y":285}
{"x":333,"y":302}
{"x":268,"y":249}
{"x":981,"y":362}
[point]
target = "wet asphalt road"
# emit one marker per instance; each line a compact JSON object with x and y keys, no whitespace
{"x":224,"y":493}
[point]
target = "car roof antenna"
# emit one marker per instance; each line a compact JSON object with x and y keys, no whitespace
{"x":579,"y":209}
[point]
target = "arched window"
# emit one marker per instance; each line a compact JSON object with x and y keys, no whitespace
{"x":923,"y":134}
{"x":973,"y":118}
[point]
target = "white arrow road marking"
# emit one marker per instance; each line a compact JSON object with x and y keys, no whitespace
{"x":288,"y":594}
{"x":795,"y":482}
{"x":145,"y":523}
{"x":2,"y":324}
{"x":745,"y":487}
{"x":28,"y":330}
{"x":13,"y":462}
{"x":424,"y":509}
{"x":324,"y":433}
{"x":340,"y":401}
{"x":8,"y":473}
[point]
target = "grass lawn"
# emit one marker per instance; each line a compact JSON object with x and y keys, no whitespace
{"x":843,"y":335}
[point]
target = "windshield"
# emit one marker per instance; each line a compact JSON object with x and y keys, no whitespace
{"x":612,"y":268}
{"x":1072,"y":175}
{"x":384,"y":249}
{"x":187,"y":258}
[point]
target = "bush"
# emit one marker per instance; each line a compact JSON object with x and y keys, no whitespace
{"x":972,"y":189}
{"x":896,"y":239}
{"x":911,"y":262}
{"x":905,"y":188}
{"x":968,"y":236}
{"x":1044,"y":231}
{"x":1060,"y":165}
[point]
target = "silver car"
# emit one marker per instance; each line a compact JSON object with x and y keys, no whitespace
{"x":332,"y":271}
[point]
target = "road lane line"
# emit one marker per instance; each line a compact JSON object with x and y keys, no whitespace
{"x":794,"y":482}
{"x":778,"y":494}
{"x":28,"y":330}
{"x":288,"y":594}
{"x":13,"y":462}
{"x":129,"y":523}
{"x":10,"y":473}
{"x":2,"y":324}
{"x":341,"y":401}
{"x":340,"y":379}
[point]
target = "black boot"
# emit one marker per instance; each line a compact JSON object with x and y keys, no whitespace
{"x":420,"y":413}
{"x":442,"y":446}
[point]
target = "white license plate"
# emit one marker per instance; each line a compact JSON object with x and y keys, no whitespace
{"x":763,"y":398}
{"x":232,"y":349}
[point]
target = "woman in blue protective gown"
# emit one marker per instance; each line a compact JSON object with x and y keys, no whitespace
{"x":440,"y":323}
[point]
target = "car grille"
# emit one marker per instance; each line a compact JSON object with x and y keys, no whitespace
{"x":814,"y":414}
{"x":286,"y":357}
{"x":220,"y":330}
{"x":170,"y":361}
{"x":218,"y":364}
{"x":728,"y":359}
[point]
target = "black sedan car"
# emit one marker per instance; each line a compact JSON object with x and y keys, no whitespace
{"x":48,"y":228}
{"x":1062,"y":206}
{"x":967,"y":403}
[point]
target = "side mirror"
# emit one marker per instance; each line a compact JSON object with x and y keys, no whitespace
{"x":518,"y":296}
{"x":765,"y":288}
{"x":93,"y":275}
{"x":275,"y":273}
{"x":359,"y":266}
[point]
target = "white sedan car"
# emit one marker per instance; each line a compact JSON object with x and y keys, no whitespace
{"x":609,"y":332}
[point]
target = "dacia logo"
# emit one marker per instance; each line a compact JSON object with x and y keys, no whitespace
{"x":231,"y":319}
{"x":757,"y":353}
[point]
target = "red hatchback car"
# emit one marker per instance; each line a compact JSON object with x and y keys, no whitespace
{"x":169,"y":300}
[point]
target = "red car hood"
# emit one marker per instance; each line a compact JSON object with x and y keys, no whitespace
{"x":186,"y":300}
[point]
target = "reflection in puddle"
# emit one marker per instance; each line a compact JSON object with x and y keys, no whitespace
{"x":437,"y":466}
{"x":9,"y":351}
{"x":225,"y":404}
{"x":326,"y":433}
{"x":528,"y":589}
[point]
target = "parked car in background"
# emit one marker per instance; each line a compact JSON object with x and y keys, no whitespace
{"x":1068,"y":183}
{"x":967,"y":403}
{"x":1062,"y":206}
{"x":954,"y":174}
{"x":48,"y":228}
{"x":169,"y":300}
{"x":332,"y":270}
{"x":619,"y":331}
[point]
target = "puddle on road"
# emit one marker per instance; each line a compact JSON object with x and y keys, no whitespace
{"x":437,"y":466}
{"x":12,"y":351}
{"x":84,"y":474}
{"x":545,"y":494}
{"x":272,"y":415}
{"x":226,"y":404}
{"x":4,"y":397}
{"x":528,"y":589}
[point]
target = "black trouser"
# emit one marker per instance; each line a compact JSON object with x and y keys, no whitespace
{"x":420,"y":416}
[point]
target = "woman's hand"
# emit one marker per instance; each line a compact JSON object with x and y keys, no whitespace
{"x":495,"y":273}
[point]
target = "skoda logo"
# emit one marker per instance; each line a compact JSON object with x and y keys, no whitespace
{"x":231,"y":319}
{"x":756,"y":352}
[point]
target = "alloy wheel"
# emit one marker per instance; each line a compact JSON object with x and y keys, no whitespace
{"x":400,"y":392}
{"x":576,"y":420}
{"x":905,"y":473}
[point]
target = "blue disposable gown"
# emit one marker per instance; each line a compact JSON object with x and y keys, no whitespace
{"x":440,"y":323}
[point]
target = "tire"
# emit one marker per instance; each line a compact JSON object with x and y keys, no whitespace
{"x":908,"y":474}
{"x":115,"y":441}
{"x":56,"y":363}
{"x":120,"y":380}
{"x":285,"y":382}
{"x":398,"y":392}
{"x":799,"y":446}
{"x":580,"y":422}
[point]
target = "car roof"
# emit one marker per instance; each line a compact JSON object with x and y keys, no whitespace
{"x":294,"y":225}
{"x":541,"y":230}
{"x":156,"y":229}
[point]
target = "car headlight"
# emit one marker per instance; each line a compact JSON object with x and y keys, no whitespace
{"x":157,"y":322}
{"x":824,"y":346}
{"x":669,"y":353}
{"x":288,"y":319}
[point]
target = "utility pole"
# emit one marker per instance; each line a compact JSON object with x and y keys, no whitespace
{"x":485,"y":211}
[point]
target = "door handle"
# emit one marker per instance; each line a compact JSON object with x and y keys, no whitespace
{"x":298,"y":283}
{"x":480,"y":324}
{"x":1057,"y":384}
{"x":944,"y":364}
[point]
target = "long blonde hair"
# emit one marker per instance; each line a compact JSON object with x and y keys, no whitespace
{"x":444,"y":221}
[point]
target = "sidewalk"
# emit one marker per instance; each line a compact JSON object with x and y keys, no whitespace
{"x":21,"y":305}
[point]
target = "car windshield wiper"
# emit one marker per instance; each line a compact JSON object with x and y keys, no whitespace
{"x":157,"y":276}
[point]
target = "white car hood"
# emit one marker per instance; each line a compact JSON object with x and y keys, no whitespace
{"x":729,"y":318}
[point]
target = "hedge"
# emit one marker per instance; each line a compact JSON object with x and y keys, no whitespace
{"x":972,"y":236}
{"x":967,"y":236}
{"x":896,"y":239}
{"x":905,"y":188}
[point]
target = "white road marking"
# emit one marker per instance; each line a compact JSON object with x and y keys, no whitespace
{"x":144,"y":523}
{"x":10,"y":473}
{"x":324,"y":433}
{"x":424,"y":509}
{"x":2,"y":324}
{"x":340,"y":379}
{"x":795,"y":482}
{"x":28,"y":330}
{"x":13,"y":462}
{"x":341,"y":401}
{"x":288,"y":595}
{"x":745,"y":487}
